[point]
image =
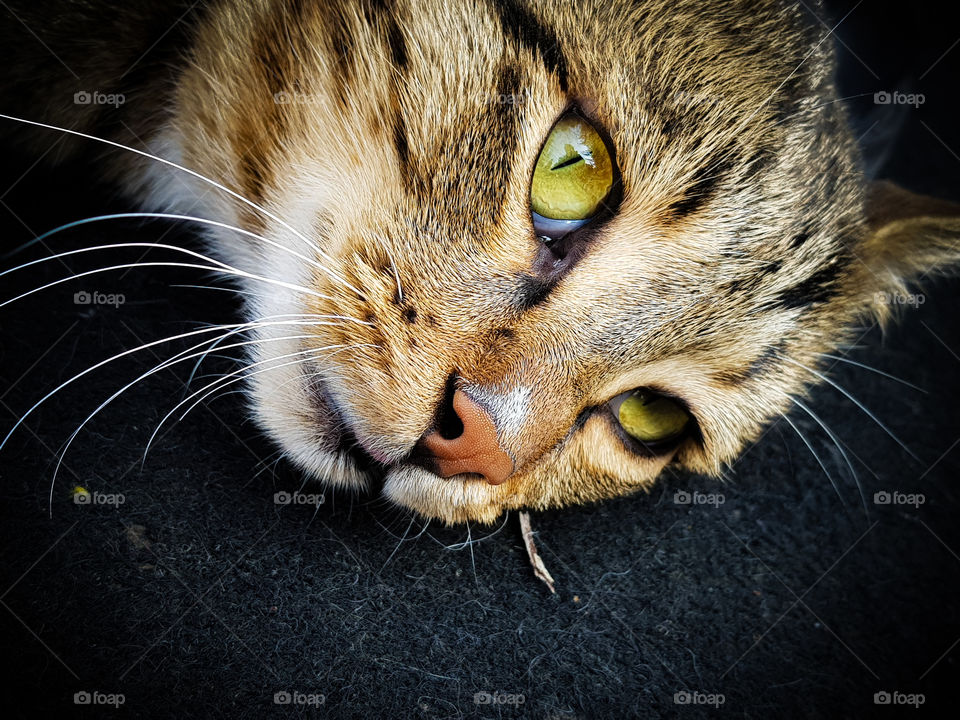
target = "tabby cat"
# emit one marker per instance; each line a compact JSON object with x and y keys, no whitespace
{"x":496,"y":254}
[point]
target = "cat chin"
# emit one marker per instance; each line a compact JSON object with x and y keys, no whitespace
{"x":454,"y":501}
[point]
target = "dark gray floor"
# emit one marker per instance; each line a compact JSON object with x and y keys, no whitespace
{"x":200,"y":597}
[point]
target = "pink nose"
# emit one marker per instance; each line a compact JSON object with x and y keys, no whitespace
{"x":475,"y":450}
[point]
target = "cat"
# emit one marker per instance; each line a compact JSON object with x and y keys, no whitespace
{"x":496,"y":255}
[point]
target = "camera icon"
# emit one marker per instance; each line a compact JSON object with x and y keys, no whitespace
{"x":281,"y":98}
{"x":282,"y":698}
{"x":82,"y":698}
{"x":82,"y":298}
{"x":282,"y":498}
{"x":82,"y":98}
{"x":482,"y":698}
{"x":882,"y":498}
{"x":682,"y":497}
{"x":82,"y":496}
{"x":682,"y":698}
{"x":882,"y":698}
{"x":882,"y":98}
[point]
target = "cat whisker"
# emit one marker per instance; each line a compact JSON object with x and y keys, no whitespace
{"x":232,"y":291}
{"x":188,"y":218}
{"x":404,"y":537}
{"x":840,"y":447}
{"x":216,"y":393}
{"x":473,"y":559}
{"x":856,"y":402}
{"x":145,"y":346}
{"x":157,"y":368}
{"x":224,"y":380}
{"x":840,"y":358}
{"x":217,"y":342}
{"x":468,"y":542}
{"x":816,"y":456}
{"x":94,"y":248}
{"x":246,"y":201}
{"x":226,"y":270}
{"x":270,"y":461}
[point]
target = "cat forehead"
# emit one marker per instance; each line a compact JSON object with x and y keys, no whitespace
{"x":644,"y":66}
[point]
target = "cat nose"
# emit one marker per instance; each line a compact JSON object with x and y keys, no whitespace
{"x":474,"y":450}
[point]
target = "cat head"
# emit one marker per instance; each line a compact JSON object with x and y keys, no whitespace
{"x":716,"y":236}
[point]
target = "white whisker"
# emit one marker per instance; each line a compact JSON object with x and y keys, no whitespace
{"x":224,"y":380}
{"x":874,"y":370}
{"x":217,"y":342}
{"x":173,"y":216}
{"x":191,"y":333}
{"x":816,"y":456}
{"x":170,"y":163}
{"x":225,"y":270}
{"x":836,"y":441}
{"x":79,"y":251}
{"x":157,"y":368}
{"x":855,"y":402}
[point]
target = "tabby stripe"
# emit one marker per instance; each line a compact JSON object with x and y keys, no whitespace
{"x":400,"y":140}
{"x":765,"y":360}
{"x":341,"y":48}
{"x":523,"y":27}
{"x":705,"y":182}
{"x":398,"y":46}
{"x":818,"y":288}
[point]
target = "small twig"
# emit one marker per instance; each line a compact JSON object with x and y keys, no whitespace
{"x":539,"y":569}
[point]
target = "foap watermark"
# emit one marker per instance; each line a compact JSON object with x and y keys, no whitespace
{"x":695,"y":697}
{"x":898,"y":298}
{"x":95,"y":97}
{"x":687,"y":99}
{"x":523,"y":97}
{"x":95,"y":697}
{"x":94,"y":297}
{"x":294,"y":697}
{"x":82,"y":496}
{"x":498,"y":698}
{"x":896,"y":97}
{"x":683,"y":497}
{"x":895,"y":497}
{"x":898,"y":698}
{"x":298,"y":498}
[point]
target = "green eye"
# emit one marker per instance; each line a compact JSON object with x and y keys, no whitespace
{"x":574,"y":173}
{"x":651,"y":418}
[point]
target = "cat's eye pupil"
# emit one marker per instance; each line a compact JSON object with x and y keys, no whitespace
{"x":566,"y":163}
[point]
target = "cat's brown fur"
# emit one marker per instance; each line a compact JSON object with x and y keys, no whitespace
{"x":746,"y":243}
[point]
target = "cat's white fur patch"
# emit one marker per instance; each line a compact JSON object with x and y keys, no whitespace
{"x":508,"y":407}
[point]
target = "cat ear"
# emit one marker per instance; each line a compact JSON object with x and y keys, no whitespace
{"x":910,"y":237}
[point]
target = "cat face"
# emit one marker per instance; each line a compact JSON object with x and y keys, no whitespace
{"x":446,"y":347}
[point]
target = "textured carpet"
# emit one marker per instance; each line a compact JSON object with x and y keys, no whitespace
{"x":199,"y":596}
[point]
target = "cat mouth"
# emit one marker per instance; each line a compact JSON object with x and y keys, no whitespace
{"x":347,"y":443}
